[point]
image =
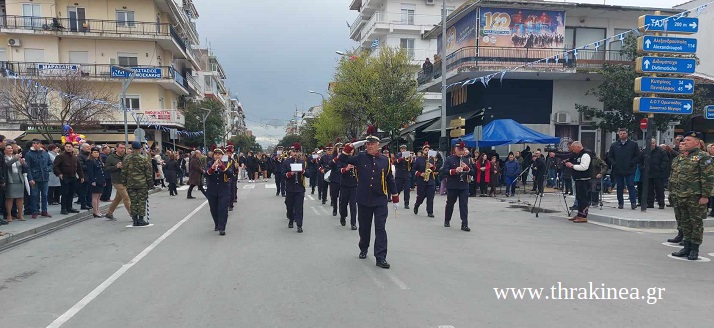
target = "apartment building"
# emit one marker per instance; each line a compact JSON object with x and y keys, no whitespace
{"x":400,"y":24}
{"x":490,"y":36}
{"x":156,"y":38}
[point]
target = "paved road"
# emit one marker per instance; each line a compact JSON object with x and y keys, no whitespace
{"x":179,"y":273}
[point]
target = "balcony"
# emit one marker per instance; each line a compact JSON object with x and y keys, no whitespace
{"x":494,"y":59}
{"x":382,"y":23}
{"x":193,"y":85}
{"x":166,"y":76}
{"x":356,"y":27}
{"x":162,"y":33}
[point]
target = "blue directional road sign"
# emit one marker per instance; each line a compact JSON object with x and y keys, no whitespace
{"x":663,"y":105}
{"x":665,"y":65}
{"x":665,"y":85}
{"x":709,"y":112}
{"x":667,"y":45}
{"x":657,"y":23}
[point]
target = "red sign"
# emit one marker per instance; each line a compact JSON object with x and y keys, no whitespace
{"x":643,"y":124}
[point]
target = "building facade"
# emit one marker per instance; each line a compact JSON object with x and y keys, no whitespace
{"x":157,"y":39}
{"x":491,"y":36}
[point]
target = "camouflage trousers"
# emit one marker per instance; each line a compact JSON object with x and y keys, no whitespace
{"x":690,"y":216}
{"x":138,"y":201}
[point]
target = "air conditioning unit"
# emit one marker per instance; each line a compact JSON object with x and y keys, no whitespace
{"x":430,"y":2}
{"x":562,"y":118}
{"x":13,"y":42}
{"x":586,"y":119}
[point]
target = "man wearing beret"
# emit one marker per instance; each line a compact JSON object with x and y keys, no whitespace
{"x":690,"y":185}
{"x":375,"y":184}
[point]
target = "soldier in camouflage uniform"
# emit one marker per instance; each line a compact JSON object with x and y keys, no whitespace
{"x":138,"y":177}
{"x":690,"y":185}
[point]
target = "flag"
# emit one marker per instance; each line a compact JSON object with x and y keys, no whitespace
{"x":375,"y":44}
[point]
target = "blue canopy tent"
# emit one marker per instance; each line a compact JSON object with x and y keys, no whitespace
{"x":507,"y":132}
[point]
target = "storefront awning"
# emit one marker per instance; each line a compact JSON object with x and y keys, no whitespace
{"x":416,"y":126}
{"x":436,"y":126}
{"x":12,"y":134}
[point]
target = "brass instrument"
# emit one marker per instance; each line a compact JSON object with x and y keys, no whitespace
{"x":463,"y":174}
{"x":428,"y":172}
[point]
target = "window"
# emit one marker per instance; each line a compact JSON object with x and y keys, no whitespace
{"x":408,"y":10}
{"x":79,"y":57}
{"x":32,"y":16}
{"x":407,"y":44}
{"x":128,"y":60}
{"x":449,"y":10}
{"x":133,"y":102}
{"x":125,"y":18}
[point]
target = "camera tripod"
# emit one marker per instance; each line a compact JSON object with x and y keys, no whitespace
{"x":539,"y":200}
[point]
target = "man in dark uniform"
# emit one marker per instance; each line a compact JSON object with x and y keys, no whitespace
{"x":232,"y":164}
{"x":323,"y":166}
{"x":312,"y":169}
{"x":690,"y":186}
{"x":425,"y":172}
{"x":294,"y":187}
{"x":456,"y":169}
{"x":375,"y":183}
{"x":138,"y":177}
{"x":218,"y":190}
{"x":335,"y":176}
{"x":277,"y":170}
{"x":402,"y":174}
{"x":348,"y":193}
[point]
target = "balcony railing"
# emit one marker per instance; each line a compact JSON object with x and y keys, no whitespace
{"x":490,"y":58}
{"x":28,"y":69}
{"x":192,"y":83}
{"x":73,"y":25}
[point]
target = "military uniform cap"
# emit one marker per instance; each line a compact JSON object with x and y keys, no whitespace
{"x":694,"y":134}
{"x":136,"y":145}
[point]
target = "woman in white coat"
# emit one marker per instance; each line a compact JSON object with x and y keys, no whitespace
{"x":53,"y":193}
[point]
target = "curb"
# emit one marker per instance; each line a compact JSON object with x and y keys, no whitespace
{"x":28,"y":235}
{"x":640,"y":224}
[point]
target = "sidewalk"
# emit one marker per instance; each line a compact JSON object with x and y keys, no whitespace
{"x":553,"y":204}
{"x":21,"y":231}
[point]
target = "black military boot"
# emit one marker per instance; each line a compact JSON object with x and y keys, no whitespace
{"x":693,"y":252}
{"x":446,"y":224}
{"x":677,"y":239}
{"x":343,"y":222}
{"x":406,"y":206}
{"x":140,"y":222}
{"x":465,"y":228}
{"x":334,"y":211}
{"x":684,"y":252}
{"x":290,"y":224}
{"x":135,"y":218}
{"x":416,"y":209}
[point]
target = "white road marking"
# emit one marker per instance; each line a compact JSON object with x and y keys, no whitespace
{"x":184,"y":187}
{"x":310,"y":196}
{"x":270,"y":186}
{"x":325,"y":210}
{"x":445,"y":326}
{"x":397,"y":282}
{"x":249,"y":186}
{"x":675,"y":245}
{"x":104,"y":285}
{"x":373,"y":276}
{"x":132,"y":226}
{"x":701,"y":258}
{"x":315,"y":210}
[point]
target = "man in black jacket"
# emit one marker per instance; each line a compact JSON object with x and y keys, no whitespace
{"x":3,"y":220}
{"x":538,"y":168}
{"x":659,"y":167}
{"x":623,"y":157}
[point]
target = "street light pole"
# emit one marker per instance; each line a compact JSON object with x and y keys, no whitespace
{"x":205,"y":116}
{"x":443,"y":75}
{"x":317,"y":93}
{"x":124,"y":87}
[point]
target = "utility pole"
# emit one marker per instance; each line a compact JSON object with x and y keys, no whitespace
{"x":442,"y":140}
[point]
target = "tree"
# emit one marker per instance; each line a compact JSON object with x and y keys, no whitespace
{"x":245,"y":143}
{"x":215,"y":124}
{"x":49,"y":102}
{"x":288,"y":140}
{"x":617,"y":94}
{"x":378,"y":90}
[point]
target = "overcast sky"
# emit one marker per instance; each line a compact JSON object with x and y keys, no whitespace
{"x":273,"y":51}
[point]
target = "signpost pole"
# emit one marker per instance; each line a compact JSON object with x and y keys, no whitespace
{"x":443,"y":83}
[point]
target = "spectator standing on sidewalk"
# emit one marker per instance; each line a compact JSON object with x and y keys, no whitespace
{"x":113,"y":167}
{"x":659,"y":166}
{"x":83,"y":193}
{"x":53,"y":183}
{"x":580,"y":162}
{"x":40,"y":166}
{"x":96,"y":179}
{"x":623,"y":156}
{"x":15,"y":167}
{"x":69,"y":170}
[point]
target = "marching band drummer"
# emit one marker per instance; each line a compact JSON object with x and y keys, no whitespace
{"x":425,"y":171}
